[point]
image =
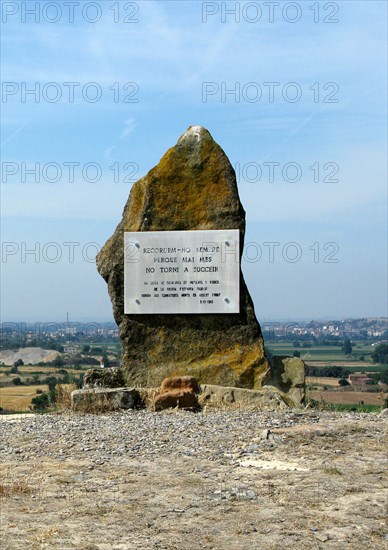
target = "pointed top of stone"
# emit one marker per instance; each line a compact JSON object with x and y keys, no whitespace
{"x":195,"y":133}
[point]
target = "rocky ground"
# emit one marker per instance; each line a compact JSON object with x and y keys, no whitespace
{"x":178,"y":480}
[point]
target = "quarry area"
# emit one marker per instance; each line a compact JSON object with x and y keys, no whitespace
{"x":218,"y":479}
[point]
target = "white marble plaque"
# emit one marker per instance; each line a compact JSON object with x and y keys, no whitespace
{"x":182,"y":272}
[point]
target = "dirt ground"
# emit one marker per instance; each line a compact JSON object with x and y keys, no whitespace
{"x":324,"y":380}
{"x":221,"y":480}
{"x":348,"y":397}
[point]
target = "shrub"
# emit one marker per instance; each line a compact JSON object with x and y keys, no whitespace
{"x":43,"y":401}
{"x":51,"y":381}
{"x":380,"y":355}
{"x":63,"y":397}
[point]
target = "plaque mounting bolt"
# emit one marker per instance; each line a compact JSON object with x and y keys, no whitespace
{"x":227,"y":300}
{"x":138,"y":301}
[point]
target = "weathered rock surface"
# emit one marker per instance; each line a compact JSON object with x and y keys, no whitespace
{"x":288,"y":374}
{"x":104,"y":399}
{"x":176,"y":398}
{"x":266,"y":398}
{"x":184,"y":383}
{"x":103,"y":378}
{"x":192,"y":188}
{"x":178,"y":391}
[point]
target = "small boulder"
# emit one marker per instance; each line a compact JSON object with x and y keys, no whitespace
{"x":268,"y":397}
{"x":183,"y":383}
{"x":176,"y":398}
{"x":178,"y":391}
{"x":103,"y":378}
{"x":289,"y":375}
{"x":104,"y":399}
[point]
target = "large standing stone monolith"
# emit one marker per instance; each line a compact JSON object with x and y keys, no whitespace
{"x":193,"y":187}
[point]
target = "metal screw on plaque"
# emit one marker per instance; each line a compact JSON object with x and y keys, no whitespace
{"x":227,"y":243}
{"x":138,"y":301}
{"x":137,"y":245}
{"x":227,"y":300}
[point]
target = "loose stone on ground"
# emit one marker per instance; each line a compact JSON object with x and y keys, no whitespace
{"x":178,"y":480}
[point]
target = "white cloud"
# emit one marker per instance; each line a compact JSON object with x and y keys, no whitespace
{"x":130,"y":125}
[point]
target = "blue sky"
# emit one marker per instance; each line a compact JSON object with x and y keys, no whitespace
{"x":168,"y":67}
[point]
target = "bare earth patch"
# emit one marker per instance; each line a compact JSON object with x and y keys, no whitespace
{"x":214,"y":480}
{"x":348,"y":397}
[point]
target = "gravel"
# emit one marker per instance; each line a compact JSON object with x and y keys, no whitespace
{"x":179,"y":480}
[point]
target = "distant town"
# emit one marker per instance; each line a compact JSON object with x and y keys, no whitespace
{"x":346,"y":360}
{"x":373,"y":328}
{"x":69,"y":336}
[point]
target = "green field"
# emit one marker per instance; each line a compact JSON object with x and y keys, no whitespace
{"x":332,"y":354}
{"x":346,"y":408}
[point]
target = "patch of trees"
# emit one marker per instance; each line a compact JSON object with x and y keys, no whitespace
{"x":329,"y":340}
{"x":10,"y":343}
{"x":347,"y":347}
{"x":51,"y":380}
{"x":383,"y":375}
{"x":45,"y":400}
{"x":69,"y":360}
{"x":58,"y":362}
{"x":331,"y":372}
{"x":380,"y":354}
{"x":87,"y":361}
